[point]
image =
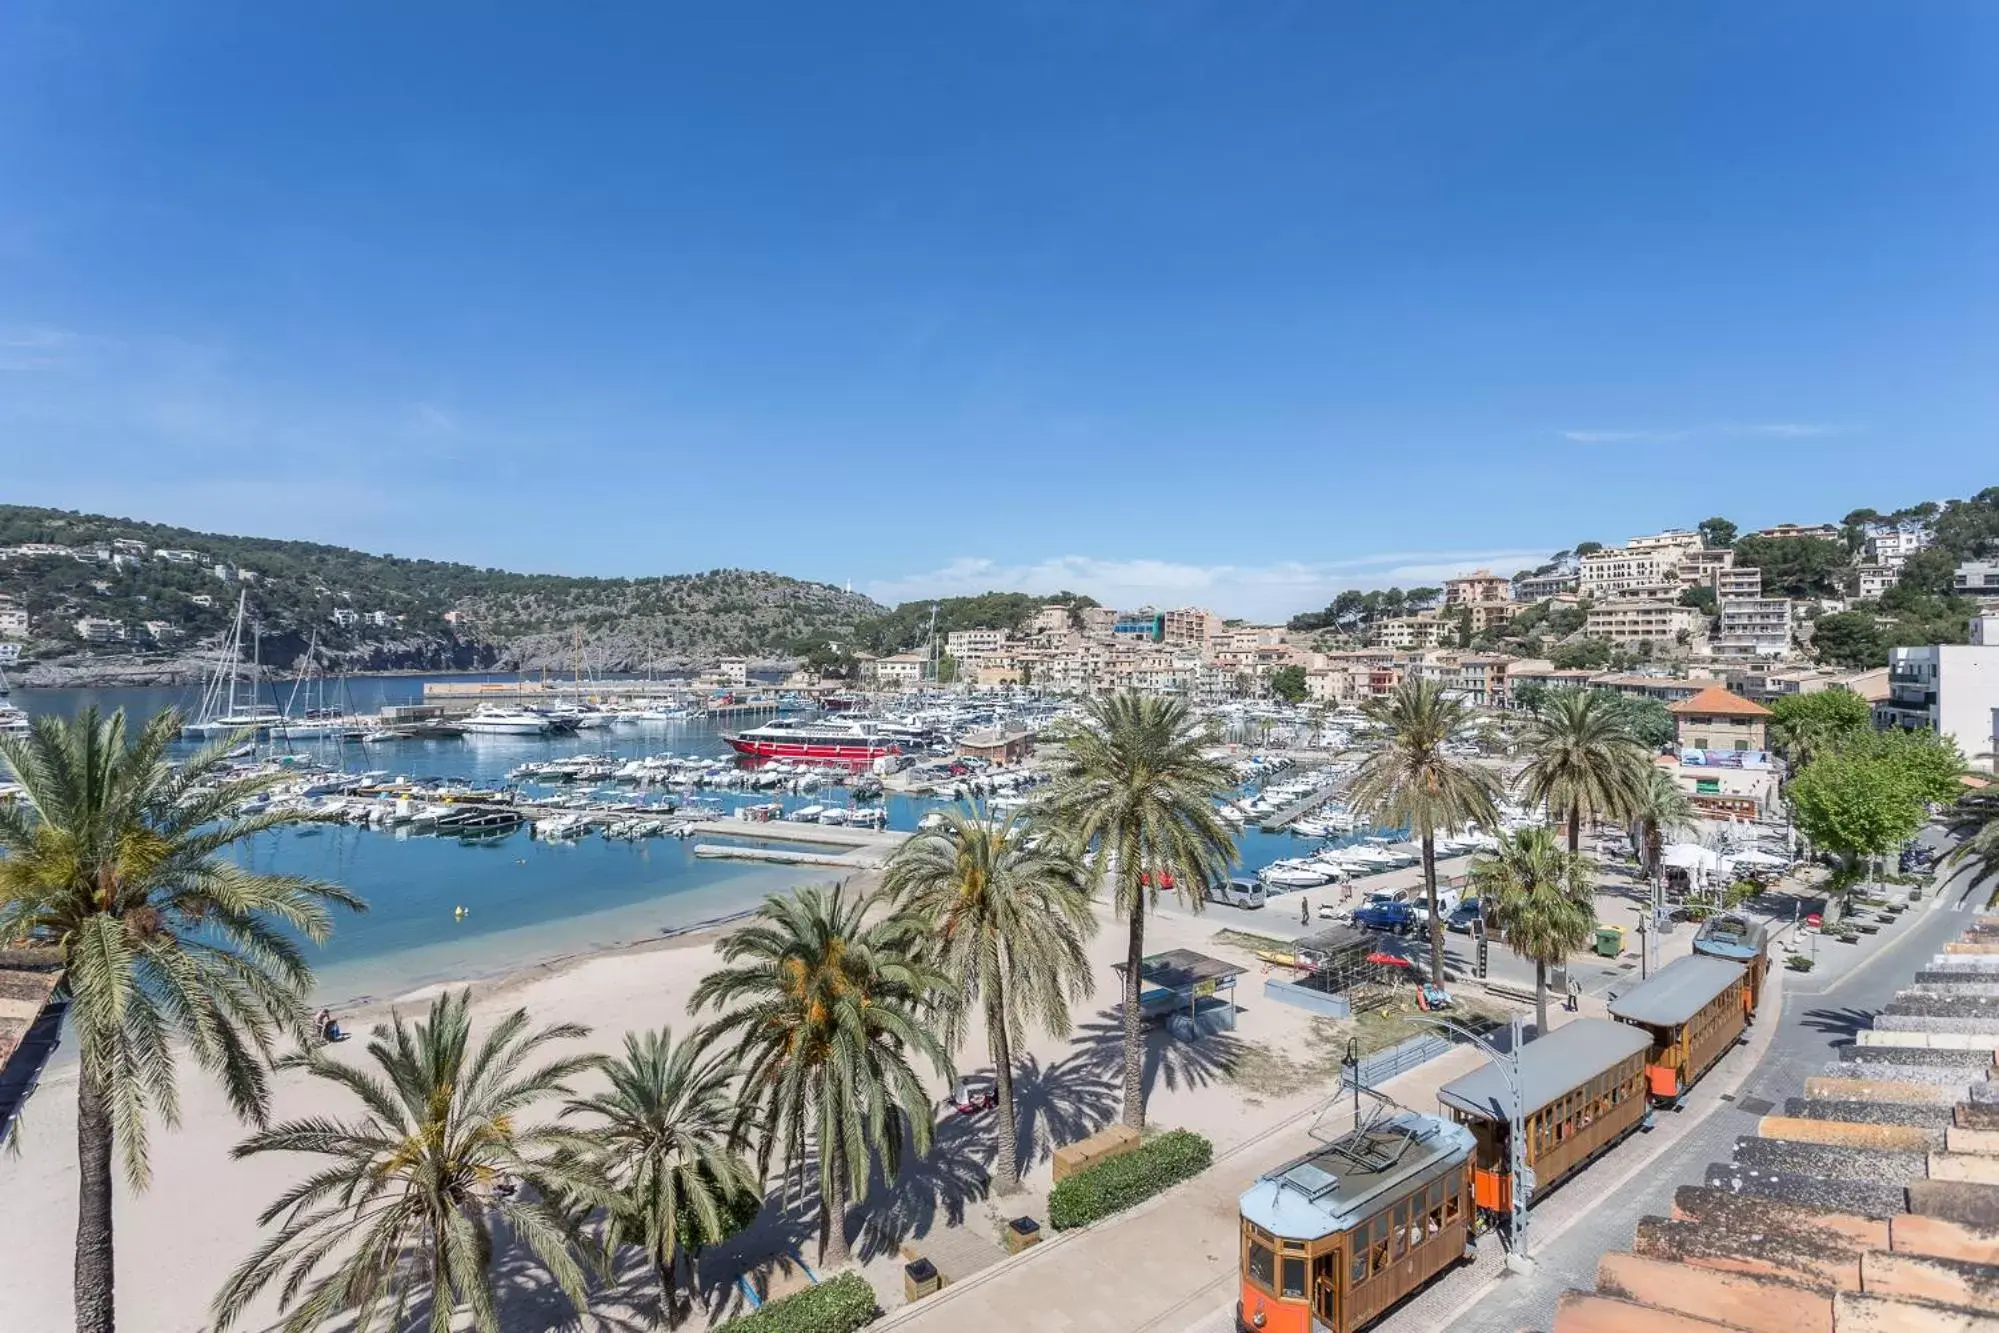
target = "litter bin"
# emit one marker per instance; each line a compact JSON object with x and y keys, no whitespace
{"x":1610,"y":940}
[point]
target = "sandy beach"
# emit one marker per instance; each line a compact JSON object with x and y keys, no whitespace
{"x":179,"y":1239}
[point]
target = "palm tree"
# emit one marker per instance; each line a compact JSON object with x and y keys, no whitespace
{"x":1543,"y":898}
{"x":115,"y":857}
{"x":1585,"y":764}
{"x":1007,"y":916}
{"x":663,"y":1137}
{"x":1136,"y":780}
{"x":408,"y":1195}
{"x":1410,"y":781}
{"x":1662,"y":808}
{"x":825,"y":1009}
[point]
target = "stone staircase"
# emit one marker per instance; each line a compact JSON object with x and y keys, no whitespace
{"x":1871,"y":1205}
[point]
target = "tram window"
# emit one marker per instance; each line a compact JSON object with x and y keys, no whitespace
{"x":1436,"y":1199}
{"x":1357,"y":1274}
{"x":1400,"y":1226}
{"x":1452,"y":1202}
{"x":1377,"y":1231}
{"x":1261,"y":1265}
{"x":1294,"y":1277}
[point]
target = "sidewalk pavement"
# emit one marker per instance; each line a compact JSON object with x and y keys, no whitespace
{"x":1163,"y":1264}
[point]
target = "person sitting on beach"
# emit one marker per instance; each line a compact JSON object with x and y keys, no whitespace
{"x":329,"y":1027}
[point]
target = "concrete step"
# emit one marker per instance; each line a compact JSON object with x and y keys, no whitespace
{"x":1869,"y":1113}
{"x":1587,"y":1312}
{"x":1964,"y":1202}
{"x":1845,"y":1196}
{"x":1952,"y":984}
{"x":1872,"y":1135}
{"x":1743,"y":1214}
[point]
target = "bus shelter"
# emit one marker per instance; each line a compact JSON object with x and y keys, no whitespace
{"x":1173,"y":985}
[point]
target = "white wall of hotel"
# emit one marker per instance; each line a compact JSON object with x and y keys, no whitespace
{"x":1952,"y":689}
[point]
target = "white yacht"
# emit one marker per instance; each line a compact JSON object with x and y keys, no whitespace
{"x":501,"y":720}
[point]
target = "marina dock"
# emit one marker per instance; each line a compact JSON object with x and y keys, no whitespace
{"x":1305,"y":805}
{"x":860,"y":849}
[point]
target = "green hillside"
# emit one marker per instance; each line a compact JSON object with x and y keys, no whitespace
{"x":385,"y":611}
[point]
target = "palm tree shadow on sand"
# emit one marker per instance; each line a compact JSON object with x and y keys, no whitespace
{"x":1171,"y":1060}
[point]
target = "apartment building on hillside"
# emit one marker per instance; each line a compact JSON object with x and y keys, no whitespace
{"x":1753,"y":627}
{"x":1479,"y":586}
{"x":1644,"y":624}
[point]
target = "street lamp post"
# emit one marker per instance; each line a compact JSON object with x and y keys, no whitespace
{"x":1508,"y":1064}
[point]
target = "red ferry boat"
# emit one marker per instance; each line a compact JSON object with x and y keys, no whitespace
{"x":841,"y":741}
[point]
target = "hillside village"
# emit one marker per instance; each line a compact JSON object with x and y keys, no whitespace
{"x":1663,"y":616}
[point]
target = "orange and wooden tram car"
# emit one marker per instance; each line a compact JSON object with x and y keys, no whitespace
{"x":1333,"y":1239}
{"x":1582,"y":1090}
{"x":1693,"y":1009}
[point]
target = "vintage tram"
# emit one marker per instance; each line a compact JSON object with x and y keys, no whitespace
{"x":1336,"y":1237}
{"x":1582,"y":1089}
{"x":1739,"y":940}
{"x":1693,"y":1009}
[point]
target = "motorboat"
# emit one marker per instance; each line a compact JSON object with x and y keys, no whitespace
{"x":500,"y":720}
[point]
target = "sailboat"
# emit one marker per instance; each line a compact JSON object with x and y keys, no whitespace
{"x":219,"y":714}
{"x":11,"y":719}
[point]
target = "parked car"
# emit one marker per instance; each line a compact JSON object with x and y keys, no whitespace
{"x":1447,"y":902}
{"x":1247,"y":893}
{"x":1464,"y":916}
{"x":1397,"y":918}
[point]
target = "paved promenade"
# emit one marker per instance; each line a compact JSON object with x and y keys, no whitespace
{"x":1163,"y":1265}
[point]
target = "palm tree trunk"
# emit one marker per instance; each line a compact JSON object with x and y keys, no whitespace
{"x":669,"y":1303}
{"x":1540,"y":998}
{"x":95,"y":1307}
{"x":1006,"y":1168}
{"x":1134,"y":1027}
{"x":1575,"y":830}
{"x":1436,"y":921}
{"x":833,"y":1249}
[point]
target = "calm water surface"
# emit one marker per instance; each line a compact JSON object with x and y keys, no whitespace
{"x":526,"y":901}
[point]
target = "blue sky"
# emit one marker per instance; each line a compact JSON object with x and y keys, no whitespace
{"x":1223,"y":303}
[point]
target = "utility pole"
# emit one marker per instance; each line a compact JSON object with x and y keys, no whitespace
{"x":1520,"y":1184}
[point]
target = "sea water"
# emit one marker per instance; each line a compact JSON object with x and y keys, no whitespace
{"x":526,"y":901}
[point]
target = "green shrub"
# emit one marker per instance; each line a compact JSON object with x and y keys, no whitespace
{"x":837,"y":1305}
{"x":1114,"y":1185}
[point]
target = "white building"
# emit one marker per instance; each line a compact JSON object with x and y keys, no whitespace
{"x":345,"y":616}
{"x":96,"y":629}
{"x":963,"y":642}
{"x":10,"y":653}
{"x":161,"y":630}
{"x":901,"y":669}
{"x":735,"y":672}
{"x":1977,"y":578}
{"x":1874,"y":579}
{"x":174,"y":557}
{"x":1642,"y":567}
{"x":1952,"y":689}
{"x":1736,"y":582}
{"x":1753,"y":627}
{"x":380,"y":619}
{"x":13,"y":622}
{"x":1892,"y":545}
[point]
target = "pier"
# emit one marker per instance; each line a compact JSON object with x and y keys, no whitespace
{"x":1301,"y":807}
{"x":860,"y":849}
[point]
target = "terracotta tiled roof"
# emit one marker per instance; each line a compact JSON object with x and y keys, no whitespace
{"x":1714,"y":701}
{"x":1867,"y":1205}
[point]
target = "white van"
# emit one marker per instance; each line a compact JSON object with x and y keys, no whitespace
{"x":1237,"y":893}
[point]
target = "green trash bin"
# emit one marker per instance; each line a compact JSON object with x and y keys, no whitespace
{"x":1610,"y":940}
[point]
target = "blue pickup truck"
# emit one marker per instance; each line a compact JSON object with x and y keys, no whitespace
{"x":1397,"y":918}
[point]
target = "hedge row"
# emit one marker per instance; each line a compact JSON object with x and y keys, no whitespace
{"x":837,"y":1305}
{"x":1113,"y":1185}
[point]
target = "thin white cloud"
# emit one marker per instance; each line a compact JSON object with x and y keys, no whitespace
{"x":1792,"y":430}
{"x":428,"y":419}
{"x":1621,"y":436}
{"x":1775,"y":430}
{"x":1256,"y":592}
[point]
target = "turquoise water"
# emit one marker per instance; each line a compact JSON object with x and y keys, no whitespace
{"x":526,"y":901}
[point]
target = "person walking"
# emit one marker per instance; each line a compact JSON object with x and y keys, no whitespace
{"x":1575,"y":992}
